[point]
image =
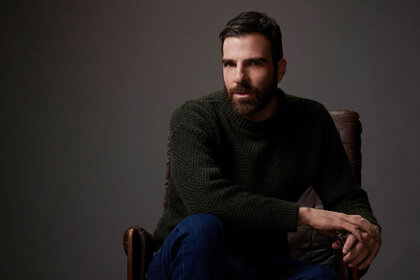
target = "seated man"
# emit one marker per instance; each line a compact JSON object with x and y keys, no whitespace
{"x":241,"y":158}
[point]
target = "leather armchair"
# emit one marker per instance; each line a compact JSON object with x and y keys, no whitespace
{"x":305,"y":244}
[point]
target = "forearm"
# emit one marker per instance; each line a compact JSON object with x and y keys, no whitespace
{"x":325,"y":220}
{"x":303,"y":216}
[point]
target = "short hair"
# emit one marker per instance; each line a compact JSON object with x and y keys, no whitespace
{"x":255,"y":22}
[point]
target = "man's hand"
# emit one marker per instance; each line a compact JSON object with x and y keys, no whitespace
{"x":363,"y":242}
{"x":357,"y":253}
{"x":325,"y":220}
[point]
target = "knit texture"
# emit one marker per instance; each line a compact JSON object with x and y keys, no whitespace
{"x":250,"y":174}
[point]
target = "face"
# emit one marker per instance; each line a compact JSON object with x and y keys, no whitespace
{"x":249,"y":75}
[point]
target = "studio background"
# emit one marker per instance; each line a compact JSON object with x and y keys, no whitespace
{"x":88,"y":87}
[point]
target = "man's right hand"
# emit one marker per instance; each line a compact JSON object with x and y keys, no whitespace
{"x":324,"y":220}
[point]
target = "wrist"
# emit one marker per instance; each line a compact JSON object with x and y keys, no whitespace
{"x":303,"y":216}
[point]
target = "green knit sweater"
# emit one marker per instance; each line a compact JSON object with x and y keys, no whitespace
{"x":250,"y":174}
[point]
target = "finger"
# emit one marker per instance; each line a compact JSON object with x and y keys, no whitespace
{"x":377,"y":234}
{"x":363,"y":233}
{"x":365,"y":255}
{"x":353,"y":253}
{"x":366,"y":235}
{"x":350,"y":242}
{"x":335,"y":245}
{"x":358,"y":255}
{"x":369,"y":259}
{"x":366,"y":262}
{"x":354,"y":230}
{"x":362,"y":223}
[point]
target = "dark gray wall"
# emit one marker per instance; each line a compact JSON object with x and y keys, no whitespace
{"x":87,"y":89}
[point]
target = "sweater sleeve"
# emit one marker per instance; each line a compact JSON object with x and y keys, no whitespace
{"x":202,"y":187}
{"x":336,"y":185}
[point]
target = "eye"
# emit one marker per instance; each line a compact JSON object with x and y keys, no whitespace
{"x":256,"y":63}
{"x":228,"y":64}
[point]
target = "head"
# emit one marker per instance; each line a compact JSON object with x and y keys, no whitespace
{"x":255,"y":22}
{"x":253,"y":64}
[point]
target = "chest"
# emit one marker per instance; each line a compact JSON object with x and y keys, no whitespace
{"x":280,"y":165}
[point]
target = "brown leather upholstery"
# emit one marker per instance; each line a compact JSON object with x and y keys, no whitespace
{"x":350,"y":128}
{"x":304,"y":244}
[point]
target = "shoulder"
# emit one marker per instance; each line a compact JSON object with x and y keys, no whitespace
{"x":303,"y":104}
{"x":305,"y":109}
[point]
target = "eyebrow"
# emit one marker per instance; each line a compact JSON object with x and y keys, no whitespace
{"x":257,"y":58}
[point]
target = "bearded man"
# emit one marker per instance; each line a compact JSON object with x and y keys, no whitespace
{"x":241,"y":158}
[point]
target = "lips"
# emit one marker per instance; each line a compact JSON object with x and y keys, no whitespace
{"x":243,"y":92}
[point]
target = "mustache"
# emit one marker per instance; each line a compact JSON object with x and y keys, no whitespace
{"x":242,"y":88}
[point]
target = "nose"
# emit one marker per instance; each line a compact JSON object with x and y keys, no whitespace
{"x":240,"y":74}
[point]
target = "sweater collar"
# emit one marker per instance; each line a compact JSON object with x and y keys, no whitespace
{"x":246,"y":124}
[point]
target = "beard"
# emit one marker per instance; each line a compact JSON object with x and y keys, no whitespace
{"x":257,"y":100}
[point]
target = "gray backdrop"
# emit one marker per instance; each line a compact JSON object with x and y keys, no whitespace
{"x":87,"y":89}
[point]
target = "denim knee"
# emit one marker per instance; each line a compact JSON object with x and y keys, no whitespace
{"x":206,"y":228}
{"x":202,"y":223}
{"x":195,"y":249}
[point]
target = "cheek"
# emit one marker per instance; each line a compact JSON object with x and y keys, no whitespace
{"x":227,"y":76}
{"x":262,"y":77}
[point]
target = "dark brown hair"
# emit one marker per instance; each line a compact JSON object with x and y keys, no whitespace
{"x":255,"y":22}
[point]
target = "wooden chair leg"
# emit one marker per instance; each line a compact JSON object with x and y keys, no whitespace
{"x":133,"y":242}
{"x":139,"y":247}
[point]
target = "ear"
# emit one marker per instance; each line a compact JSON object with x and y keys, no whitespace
{"x":281,"y":69}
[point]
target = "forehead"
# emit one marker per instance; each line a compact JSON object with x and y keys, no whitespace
{"x":246,"y":46}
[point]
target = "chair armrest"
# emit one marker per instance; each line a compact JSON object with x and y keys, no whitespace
{"x":139,"y":248}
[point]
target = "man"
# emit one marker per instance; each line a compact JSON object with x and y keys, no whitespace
{"x":241,"y":158}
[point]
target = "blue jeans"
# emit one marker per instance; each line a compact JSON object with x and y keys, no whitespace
{"x":196,"y":249}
